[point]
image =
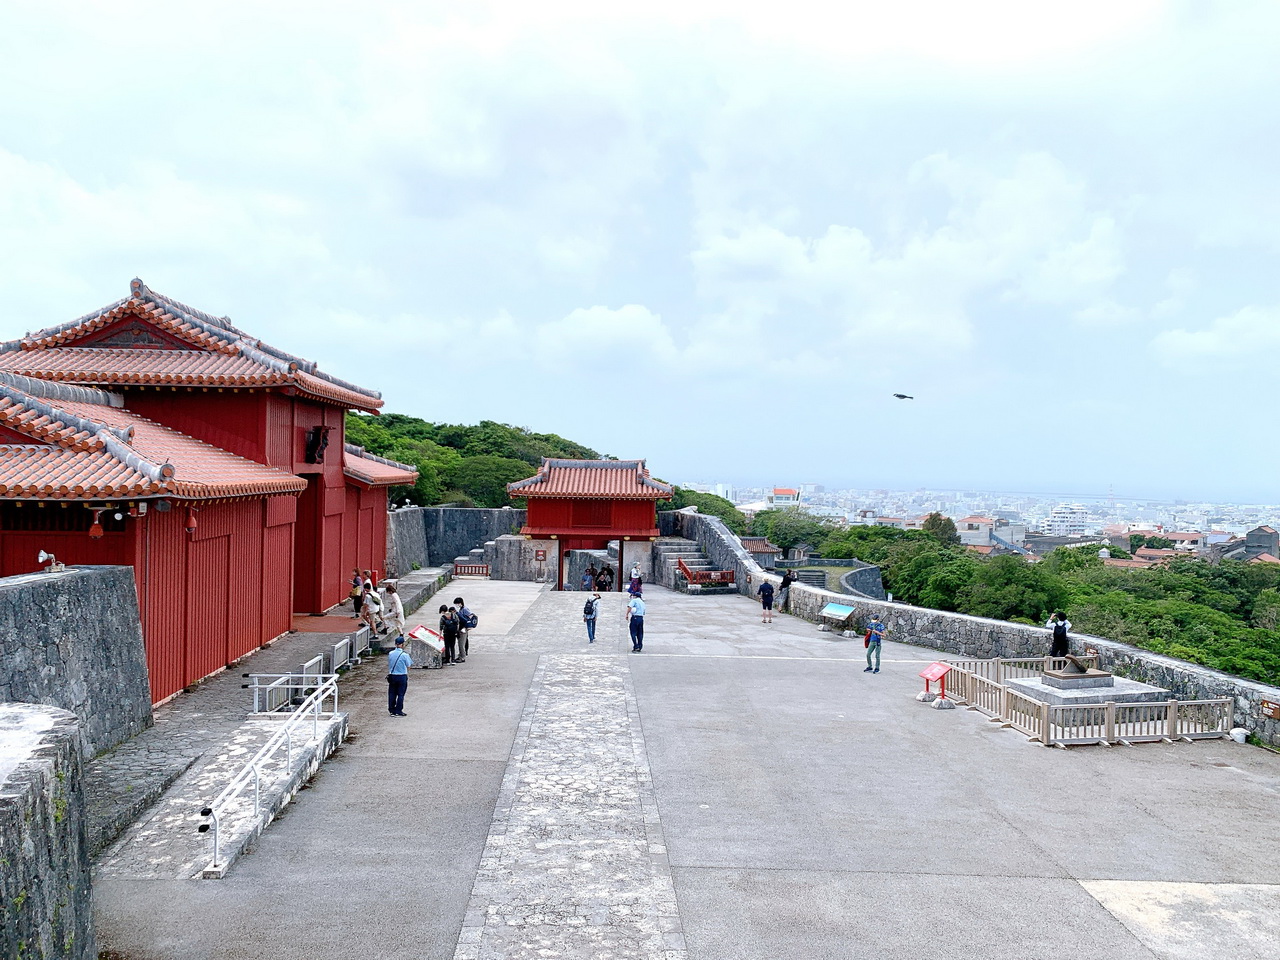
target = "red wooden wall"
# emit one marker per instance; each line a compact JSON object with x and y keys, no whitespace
{"x":589,"y":517}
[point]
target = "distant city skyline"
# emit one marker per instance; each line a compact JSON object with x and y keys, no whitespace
{"x":718,"y":236}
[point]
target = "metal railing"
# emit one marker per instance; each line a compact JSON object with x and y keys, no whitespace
{"x":311,"y":711}
{"x":704,"y":576}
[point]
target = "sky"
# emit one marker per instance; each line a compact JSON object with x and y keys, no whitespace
{"x":715,"y":235}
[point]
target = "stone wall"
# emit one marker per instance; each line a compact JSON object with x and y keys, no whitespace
{"x":964,"y":636}
{"x":45,"y":895}
{"x":456,"y":531}
{"x":406,"y":541}
{"x":513,"y":558}
{"x":73,"y":640}
{"x":864,"y":579}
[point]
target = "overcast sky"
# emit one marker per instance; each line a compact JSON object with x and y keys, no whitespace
{"x":714,"y":238}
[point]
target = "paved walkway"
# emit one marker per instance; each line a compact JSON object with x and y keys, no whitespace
{"x":736,"y":791}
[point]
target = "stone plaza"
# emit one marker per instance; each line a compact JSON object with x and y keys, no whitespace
{"x":735,"y":791}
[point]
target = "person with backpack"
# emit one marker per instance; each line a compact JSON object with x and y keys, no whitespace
{"x":590,"y":613}
{"x":449,"y":629}
{"x":1059,"y":624}
{"x":467,"y":621}
{"x":765,"y":593}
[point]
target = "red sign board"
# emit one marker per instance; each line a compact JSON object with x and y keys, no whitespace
{"x":1270,"y":709}
{"x":540,"y":555}
{"x":935,"y":671}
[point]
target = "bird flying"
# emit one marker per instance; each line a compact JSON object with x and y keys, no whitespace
{"x":903,"y":396}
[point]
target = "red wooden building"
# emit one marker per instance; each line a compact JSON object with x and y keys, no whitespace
{"x":155,"y":435}
{"x":583,"y":504}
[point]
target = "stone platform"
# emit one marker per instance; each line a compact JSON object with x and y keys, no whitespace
{"x":1121,"y":691}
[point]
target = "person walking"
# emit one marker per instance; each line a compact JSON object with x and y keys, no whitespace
{"x":398,"y":664}
{"x":356,"y":594}
{"x":634,"y":585}
{"x":875,"y":634}
{"x":449,"y":632}
{"x":369,"y":608}
{"x":590,"y":613}
{"x":635,"y":622}
{"x":393,"y":612}
{"x":784,"y":591}
{"x":1059,"y":624}
{"x":607,"y":574}
{"x":466,"y":620}
{"x":765,"y":593}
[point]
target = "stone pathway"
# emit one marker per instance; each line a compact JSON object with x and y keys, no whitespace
{"x":575,"y":864}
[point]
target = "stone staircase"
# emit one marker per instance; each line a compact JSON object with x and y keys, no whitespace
{"x":668,"y":551}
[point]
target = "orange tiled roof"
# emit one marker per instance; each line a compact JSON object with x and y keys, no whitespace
{"x":759,"y":545}
{"x":359,"y":464}
{"x":85,"y":446}
{"x":1264,"y":558}
{"x":175,"y":344}
{"x":592,"y":480}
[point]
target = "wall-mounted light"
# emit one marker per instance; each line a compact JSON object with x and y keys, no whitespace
{"x":95,"y":528}
{"x":191,"y":520}
{"x":54,"y":566}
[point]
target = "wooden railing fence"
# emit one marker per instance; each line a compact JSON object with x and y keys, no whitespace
{"x":978,"y":684}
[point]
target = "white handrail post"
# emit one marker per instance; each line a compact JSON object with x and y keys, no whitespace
{"x":1171,"y":720}
{"x":1046,"y":735}
{"x":1109,"y":728}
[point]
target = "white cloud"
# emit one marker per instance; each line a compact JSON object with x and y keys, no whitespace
{"x":1250,"y":336}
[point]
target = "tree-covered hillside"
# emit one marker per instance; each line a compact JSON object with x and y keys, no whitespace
{"x":471,"y":465}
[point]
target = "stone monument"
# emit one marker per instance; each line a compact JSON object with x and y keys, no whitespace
{"x":1079,"y":683}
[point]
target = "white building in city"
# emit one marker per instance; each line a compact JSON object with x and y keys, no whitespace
{"x":1068,"y":520}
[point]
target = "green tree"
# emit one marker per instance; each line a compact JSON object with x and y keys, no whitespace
{"x":709,"y":504}
{"x":1008,"y":586}
{"x":941,"y":527}
{"x":786,"y":528}
{"x":484,"y":478}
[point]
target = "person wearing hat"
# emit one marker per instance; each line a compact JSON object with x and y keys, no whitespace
{"x":398,"y":664}
{"x":590,"y":613}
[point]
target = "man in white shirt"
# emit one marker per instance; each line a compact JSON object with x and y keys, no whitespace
{"x":635,"y":622}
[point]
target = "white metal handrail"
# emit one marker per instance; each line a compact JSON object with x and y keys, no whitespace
{"x":311,"y":710}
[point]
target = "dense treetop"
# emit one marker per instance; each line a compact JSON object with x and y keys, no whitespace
{"x":469,"y":465}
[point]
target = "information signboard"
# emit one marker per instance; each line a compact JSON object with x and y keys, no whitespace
{"x":1270,"y":709}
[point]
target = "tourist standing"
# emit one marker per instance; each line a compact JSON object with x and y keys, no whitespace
{"x":357,"y":593}
{"x":590,"y":613}
{"x":765,"y":593}
{"x":784,"y":592}
{"x":393,"y":612}
{"x":635,"y":622}
{"x":449,"y":632}
{"x":466,"y":620}
{"x":875,"y":635}
{"x":607,"y":573}
{"x":398,"y":664}
{"x":634,"y":586}
{"x":1059,"y":624}
{"x":588,"y":581}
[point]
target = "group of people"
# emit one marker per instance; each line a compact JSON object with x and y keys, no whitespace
{"x":456,"y":624}
{"x":635,"y":611}
{"x":602,"y":579}
{"x":379,"y":613}
{"x":765,"y":593}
